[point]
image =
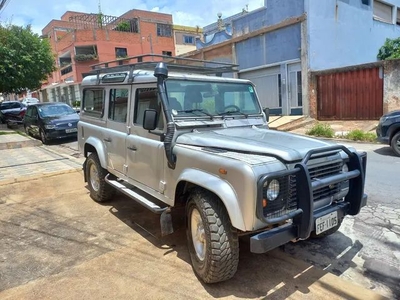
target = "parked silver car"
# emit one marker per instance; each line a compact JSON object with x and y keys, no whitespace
{"x":181,"y":139}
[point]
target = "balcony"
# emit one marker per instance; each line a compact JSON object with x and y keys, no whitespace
{"x":86,"y":53}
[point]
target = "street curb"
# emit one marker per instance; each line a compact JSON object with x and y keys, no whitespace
{"x":20,"y":144}
{"x":38,"y":176}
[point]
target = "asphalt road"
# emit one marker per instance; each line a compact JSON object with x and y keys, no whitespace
{"x":366,"y":250}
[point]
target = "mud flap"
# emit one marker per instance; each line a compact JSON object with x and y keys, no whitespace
{"x":166,"y":222}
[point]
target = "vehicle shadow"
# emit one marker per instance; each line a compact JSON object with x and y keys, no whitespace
{"x":386,"y":151}
{"x":277,"y":274}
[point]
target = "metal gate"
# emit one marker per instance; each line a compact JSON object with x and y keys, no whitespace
{"x":351,"y":95}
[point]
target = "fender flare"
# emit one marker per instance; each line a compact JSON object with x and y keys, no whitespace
{"x":395,"y":127}
{"x":220,"y":188}
{"x":99,"y":146}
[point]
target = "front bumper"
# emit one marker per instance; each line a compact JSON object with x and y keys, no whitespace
{"x":268,"y":240}
{"x":53,"y":134}
{"x":303,"y":217}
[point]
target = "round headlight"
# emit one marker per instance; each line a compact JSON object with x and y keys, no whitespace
{"x":345,"y":168}
{"x":273,"y":190}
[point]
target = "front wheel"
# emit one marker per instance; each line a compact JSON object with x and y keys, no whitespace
{"x":43,"y":137}
{"x":100,"y":191}
{"x":395,"y":143}
{"x":212,"y":241}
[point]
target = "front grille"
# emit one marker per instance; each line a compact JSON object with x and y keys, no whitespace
{"x":322,"y":172}
{"x":325,"y":170}
{"x":286,"y":201}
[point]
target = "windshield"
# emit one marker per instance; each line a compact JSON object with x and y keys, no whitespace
{"x":57,"y":110}
{"x":210,"y":99}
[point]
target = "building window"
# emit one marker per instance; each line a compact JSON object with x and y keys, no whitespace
{"x":164,"y":30}
{"x":398,"y":16}
{"x":365,"y":2}
{"x":188,"y":39}
{"x":121,"y":52}
{"x":299,"y":90}
{"x":168,"y":53}
{"x":383,"y":12}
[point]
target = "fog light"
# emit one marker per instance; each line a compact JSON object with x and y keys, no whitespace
{"x":345,"y":168}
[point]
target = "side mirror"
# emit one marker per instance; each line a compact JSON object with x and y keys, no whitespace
{"x":266,"y":112}
{"x":150,"y":119}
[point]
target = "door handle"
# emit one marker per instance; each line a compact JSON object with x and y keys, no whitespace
{"x":133,"y":148}
{"x":108,"y":140}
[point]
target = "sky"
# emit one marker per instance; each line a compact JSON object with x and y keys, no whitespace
{"x":38,"y":13}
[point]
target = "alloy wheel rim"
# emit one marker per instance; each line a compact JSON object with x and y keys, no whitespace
{"x":94,"y":177}
{"x":198,"y":234}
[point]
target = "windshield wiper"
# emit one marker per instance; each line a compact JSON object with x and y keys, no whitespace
{"x":196,"y":110}
{"x":232,"y":112}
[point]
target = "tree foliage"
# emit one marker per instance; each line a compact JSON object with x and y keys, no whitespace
{"x":26,"y":60}
{"x":390,"y":49}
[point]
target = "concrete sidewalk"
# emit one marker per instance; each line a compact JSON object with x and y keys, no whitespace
{"x":24,"y":158}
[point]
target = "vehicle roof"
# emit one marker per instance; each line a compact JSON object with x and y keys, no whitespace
{"x":143,"y":76}
{"x":49,"y":103}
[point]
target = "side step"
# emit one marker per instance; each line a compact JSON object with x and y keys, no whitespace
{"x":165,"y":212}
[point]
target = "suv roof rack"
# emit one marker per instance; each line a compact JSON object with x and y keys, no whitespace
{"x":174,"y":63}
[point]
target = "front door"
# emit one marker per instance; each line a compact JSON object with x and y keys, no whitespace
{"x":295,"y":89}
{"x":145,"y":150}
{"x":115,"y":136}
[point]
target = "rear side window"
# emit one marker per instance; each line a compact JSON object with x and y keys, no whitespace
{"x":93,"y":102}
{"x":118,"y":106}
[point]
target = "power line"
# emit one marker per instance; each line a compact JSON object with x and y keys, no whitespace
{"x":3,"y":4}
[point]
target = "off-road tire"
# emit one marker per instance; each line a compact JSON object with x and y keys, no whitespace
{"x":221,"y":239}
{"x":395,"y":143}
{"x":104,"y":192}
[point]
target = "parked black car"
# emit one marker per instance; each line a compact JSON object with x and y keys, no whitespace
{"x":53,"y":120}
{"x":12,"y":112}
{"x":388,"y":130}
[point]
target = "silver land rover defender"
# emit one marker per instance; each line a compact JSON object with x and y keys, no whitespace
{"x":187,"y":139}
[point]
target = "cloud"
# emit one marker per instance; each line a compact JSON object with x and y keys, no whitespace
{"x":185,"y":12}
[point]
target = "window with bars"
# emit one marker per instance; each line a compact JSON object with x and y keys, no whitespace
{"x":164,"y":30}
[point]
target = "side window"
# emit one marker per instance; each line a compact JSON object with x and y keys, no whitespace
{"x":118,"y":106}
{"x":146,"y":98}
{"x":29,"y":111}
{"x":93,"y":102}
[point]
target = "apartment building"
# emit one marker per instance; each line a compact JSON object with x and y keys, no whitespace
{"x":80,"y":40}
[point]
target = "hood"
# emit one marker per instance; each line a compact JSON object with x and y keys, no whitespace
{"x":283,"y":145}
{"x":61,"y":119}
{"x":392,"y":113}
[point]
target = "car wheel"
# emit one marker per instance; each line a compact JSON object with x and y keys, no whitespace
{"x":100,"y":191}
{"x":27,"y":130}
{"x":395,"y":143}
{"x":43,"y":137}
{"x":212,"y":241}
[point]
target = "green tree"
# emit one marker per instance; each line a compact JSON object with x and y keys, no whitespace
{"x":390,"y":49}
{"x":26,"y":60}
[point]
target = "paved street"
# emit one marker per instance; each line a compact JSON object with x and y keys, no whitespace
{"x":365,"y":251}
{"x":59,"y":244}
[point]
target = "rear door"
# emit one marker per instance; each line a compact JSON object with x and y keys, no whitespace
{"x":117,"y":126}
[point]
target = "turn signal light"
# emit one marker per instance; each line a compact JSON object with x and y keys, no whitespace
{"x":264,"y":202}
{"x":223,"y":171}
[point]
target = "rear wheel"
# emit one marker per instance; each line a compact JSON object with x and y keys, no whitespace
{"x":100,"y":191}
{"x":212,"y":241}
{"x":395,"y":143}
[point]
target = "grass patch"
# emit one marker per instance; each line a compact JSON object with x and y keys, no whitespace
{"x":359,"y":135}
{"x":6,"y":132}
{"x":322,"y":130}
